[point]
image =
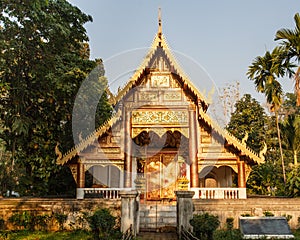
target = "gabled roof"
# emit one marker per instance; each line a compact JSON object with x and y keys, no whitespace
{"x":229,"y":138}
{"x":159,"y":42}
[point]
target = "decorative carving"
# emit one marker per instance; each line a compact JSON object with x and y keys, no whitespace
{"x":172,"y":96}
{"x":160,"y":117}
{"x":103,"y":164}
{"x":109,"y":150}
{"x":148,"y":96}
{"x":160,"y":81}
{"x":159,"y":130}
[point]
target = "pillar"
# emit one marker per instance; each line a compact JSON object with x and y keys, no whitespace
{"x":185,"y":209}
{"x":193,"y":148}
{"x":241,"y":174}
{"x":128,"y":151}
{"x":80,"y":181}
{"x":242,"y":180}
{"x":129,"y":211}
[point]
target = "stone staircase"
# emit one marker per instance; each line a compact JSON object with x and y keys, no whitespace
{"x":157,"y":236}
{"x":158,"y":217}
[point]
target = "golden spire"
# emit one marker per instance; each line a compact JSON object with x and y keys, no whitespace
{"x":159,"y":23}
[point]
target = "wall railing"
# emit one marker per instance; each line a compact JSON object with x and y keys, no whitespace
{"x":219,"y":193}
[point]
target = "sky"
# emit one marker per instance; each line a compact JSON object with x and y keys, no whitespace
{"x":222,"y":37}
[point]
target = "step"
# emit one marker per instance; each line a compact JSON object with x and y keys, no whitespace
{"x":150,"y":235}
{"x":157,"y":216}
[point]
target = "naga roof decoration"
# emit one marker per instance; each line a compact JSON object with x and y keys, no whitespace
{"x":232,"y":140}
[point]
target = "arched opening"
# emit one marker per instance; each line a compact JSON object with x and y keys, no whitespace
{"x":103,"y":177}
{"x":223,"y":176}
{"x":161,"y":160}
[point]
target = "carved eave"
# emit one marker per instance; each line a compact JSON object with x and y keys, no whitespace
{"x":230,"y":140}
{"x":160,"y":43}
{"x":75,"y":151}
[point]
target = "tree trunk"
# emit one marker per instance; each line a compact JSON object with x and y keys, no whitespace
{"x":297,"y":86}
{"x":280,"y":147}
{"x":295,"y":158}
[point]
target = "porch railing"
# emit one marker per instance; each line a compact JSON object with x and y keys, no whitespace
{"x":200,"y":193}
{"x":219,"y":193}
{"x":107,"y":193}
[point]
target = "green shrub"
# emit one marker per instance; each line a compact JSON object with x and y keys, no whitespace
{"x":102,"y":224}
{"x":204,"y":225}
{"x":61,"y":219}
{"x":2,"y":223}
{"x":24,"y":220}
{"x":229,"y":224}
{"x":246,"y":215}
{"x":42,"y":221}
{"x":229,"y":233}
{"x":234,"y":234}
{"x":268,"y":214}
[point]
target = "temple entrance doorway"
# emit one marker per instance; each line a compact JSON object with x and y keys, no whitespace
{"x":161,"y":160}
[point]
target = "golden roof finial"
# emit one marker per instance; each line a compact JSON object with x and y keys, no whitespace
{"x":159,"y":23}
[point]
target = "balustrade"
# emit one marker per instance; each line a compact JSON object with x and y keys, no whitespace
{"x":219,"y":193}
{"x":200,"y":193}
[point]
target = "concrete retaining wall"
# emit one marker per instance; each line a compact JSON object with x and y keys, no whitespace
{"x":73,"y":208}
{"x":223,"y":208}
{"x":252,"y":206}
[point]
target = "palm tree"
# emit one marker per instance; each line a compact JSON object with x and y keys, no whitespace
{"x":265,"y":71}
{"x":291,"y":42}
{"x":291,"y":135}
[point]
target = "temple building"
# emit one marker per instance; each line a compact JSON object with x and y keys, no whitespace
{"x":160,"y":139}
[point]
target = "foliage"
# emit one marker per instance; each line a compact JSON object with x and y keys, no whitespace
{"x":266,"y":179}
{"x":248,"y":119}
{"x":24,"y":220}
{"x":233,"y":234}
{"x":29,"y":221}
{"x":229,"y":233}
{"x":61,"y":219}
{"x":290,"y":127}
{"x":290,"y":40}
{"x":268,"y":214}
{"x":265,"y":71}
{"x":204,"y":225}
{"x":229,"y":223}
{"x":44,"y":59}
{"x":2,"y":223}
{"x":28,"y":235}
{"x":102,"y":224}
{"x":293,"y":181}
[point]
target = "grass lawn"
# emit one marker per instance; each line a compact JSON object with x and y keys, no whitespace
{"x":75,"y":235}
{"x":297,"y":234}
{"x":26,"y":235}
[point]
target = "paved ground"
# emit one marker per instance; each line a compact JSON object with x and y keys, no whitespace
{"x":157,"y":236}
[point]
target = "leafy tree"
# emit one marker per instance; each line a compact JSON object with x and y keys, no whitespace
{"x":266,"y":179}
{"x":293,"y":181}
{"x":291,"y":41}
{"x":44,"y":59}
{"x":290,"y":126}
{"x":265,"y":71}
{"x":291,"y":135}
{"x":248,"y":119}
